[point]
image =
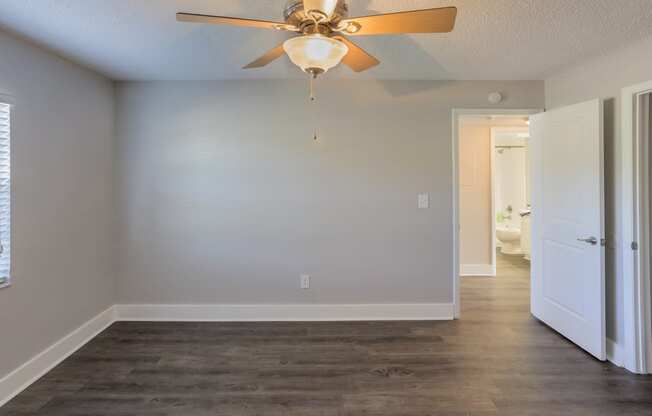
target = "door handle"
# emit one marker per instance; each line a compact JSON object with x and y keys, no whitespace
{"x":591,"y":240}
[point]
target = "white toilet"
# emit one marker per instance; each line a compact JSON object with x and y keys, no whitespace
{"x":510,"y":239}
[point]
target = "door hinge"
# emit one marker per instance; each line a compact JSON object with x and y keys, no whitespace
{"x":634,"y":245}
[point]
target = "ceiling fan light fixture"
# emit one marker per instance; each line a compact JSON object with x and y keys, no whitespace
{"x":315,"y":54}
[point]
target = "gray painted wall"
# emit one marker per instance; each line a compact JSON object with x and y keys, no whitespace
{"x":604,"y":77}
{"x":223,"y":196}
{"x":62,"y":181}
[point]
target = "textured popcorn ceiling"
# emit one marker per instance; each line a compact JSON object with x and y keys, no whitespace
{"x":494,"y":39}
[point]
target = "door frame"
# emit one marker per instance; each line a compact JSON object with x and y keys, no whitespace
{"x":458,"y":113}
{"x":636,"y":284}
{"x":493,"y":198}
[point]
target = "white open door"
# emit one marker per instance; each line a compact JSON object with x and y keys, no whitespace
{"x":568,"y":284}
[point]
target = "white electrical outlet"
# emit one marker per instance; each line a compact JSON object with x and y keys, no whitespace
{"x":305,"y":281}
{"x":423,"y":201}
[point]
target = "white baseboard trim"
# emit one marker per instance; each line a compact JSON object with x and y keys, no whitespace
{"x":615,"y":353}
{"x":22,"y":377}
{"x":372,"y":312}
{"x":477,"y":270}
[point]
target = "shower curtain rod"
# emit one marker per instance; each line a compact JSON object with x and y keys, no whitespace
{"x":509,"y":147}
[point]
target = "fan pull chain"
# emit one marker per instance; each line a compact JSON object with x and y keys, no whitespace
{"x":312,"y":89}
{"x":313,"y":100}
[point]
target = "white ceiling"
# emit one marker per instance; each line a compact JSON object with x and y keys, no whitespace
{"x":493,"y":39}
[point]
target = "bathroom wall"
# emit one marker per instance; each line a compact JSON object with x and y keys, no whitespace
{"x":475,"y":197}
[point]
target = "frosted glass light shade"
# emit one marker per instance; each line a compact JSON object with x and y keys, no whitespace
{"x":327,"y":7}
{"x":315,"y":52}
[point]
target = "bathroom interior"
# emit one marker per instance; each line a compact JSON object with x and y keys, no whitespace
{"x":494,"y":192}
{"x":511,"y":190}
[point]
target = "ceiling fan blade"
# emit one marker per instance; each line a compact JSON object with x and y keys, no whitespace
{"x":234,"y":21}
{"x":357,"y":59}
{"x":267,"y":58}
{"x":440,"y":20}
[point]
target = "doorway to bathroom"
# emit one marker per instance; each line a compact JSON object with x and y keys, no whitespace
{"x":564,"y":284}
{"x":494,"y":192}
{"x":493,"y":198}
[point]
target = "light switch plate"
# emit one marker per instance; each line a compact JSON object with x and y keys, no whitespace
{"x":424,"y":201}
{"x":305,"y":281}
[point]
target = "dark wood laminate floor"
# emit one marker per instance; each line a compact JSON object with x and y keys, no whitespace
{"x":496,"y":360}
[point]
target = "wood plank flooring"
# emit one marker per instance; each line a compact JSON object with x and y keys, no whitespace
{"x":496,"y":360}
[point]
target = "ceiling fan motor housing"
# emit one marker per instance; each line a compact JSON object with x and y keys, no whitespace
{"x":295,"y":14}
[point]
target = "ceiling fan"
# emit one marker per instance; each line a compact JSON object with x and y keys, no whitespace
{"x":321,"y":26}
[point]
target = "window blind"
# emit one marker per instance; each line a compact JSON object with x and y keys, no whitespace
{"x":5,"y":193}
